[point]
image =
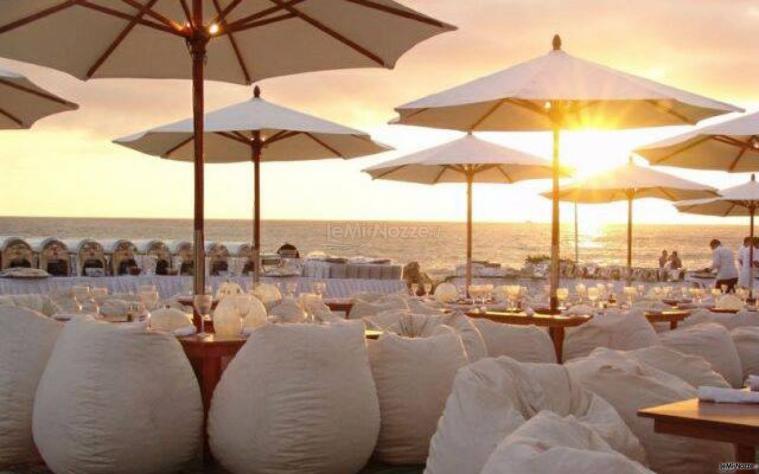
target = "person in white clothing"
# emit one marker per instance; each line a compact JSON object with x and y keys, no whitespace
{"x":723,"y":263}
{"x":743,"y":260}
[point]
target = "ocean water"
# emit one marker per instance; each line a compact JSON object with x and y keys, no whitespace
{"x":434,"y":245}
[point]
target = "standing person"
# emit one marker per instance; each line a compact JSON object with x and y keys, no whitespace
{"x":663,"y":259}
{"x":723,"y":263}
{"x":743,"y":261}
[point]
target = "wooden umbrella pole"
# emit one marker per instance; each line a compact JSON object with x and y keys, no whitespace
{"x":197,"y":43}
{"x":751,"y":211}
{"x":554,"y":283}
{"x":577,"y":237}
{"x":629,"y":235}
{"x":256,"y":146}
{"x":469,"y":180}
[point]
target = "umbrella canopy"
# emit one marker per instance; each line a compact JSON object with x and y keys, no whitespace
{"x":741,"y":200}
{"x":22,"y":102}
{"x":465,"y":160}
{"x":627,"y":183}
{"x":246,"y":41}
{"x":731,"y":146}
{"x":256,"y":130}
{"x":286,"y":135}
{"x":229,"y":40}
{"x":555,"y":92}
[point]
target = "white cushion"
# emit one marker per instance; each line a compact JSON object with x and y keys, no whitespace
{"x":615,"y":329}
{"x":493,"y":397}
{"x":26,"y":341}
{"x":746,"y":341}
{"x":630,"y":385}
{"x":169,"y":319}
{"x":296,"y":398}
{"x":712,"y":342}
{"x":117,"y":398}
{"x":523,"y":343}
{"x":550,"y":443}
{"x":413,"y":373}
{"x":691,"y":368}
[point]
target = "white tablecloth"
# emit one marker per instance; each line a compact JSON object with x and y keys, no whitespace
{"x":378,"y":271}
{"x":171,"y":285}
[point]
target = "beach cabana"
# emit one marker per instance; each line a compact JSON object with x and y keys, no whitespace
{"x":87,"y":257}
{"x":236,"y":41}
{"x":217,"y":258}
{"x":741,"y":200}
{"x":158,"y":251}
{"x":628,"y":183}
{"x":121,"y":255}
{"x":466,"y":160}
{"x":51,"y":255}
{"x":558,"y":92}
{"x":183,"y":256}
{"x":15,"y":252}
{"x":241,"y":254}
{"x":256,"y":130}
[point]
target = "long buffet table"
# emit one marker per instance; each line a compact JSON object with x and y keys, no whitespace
{"x":171,"y":285}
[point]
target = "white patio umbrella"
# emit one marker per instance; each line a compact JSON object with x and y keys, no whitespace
{"x":22,"y":102}
{"x":557,"y":92}
{"x":628,"y":183}
{"x":465,"y":160}
{"x":228,"y":40}
{"x":256,"y":130}
{"x":731,"y":146}
{"x":741,"y":200}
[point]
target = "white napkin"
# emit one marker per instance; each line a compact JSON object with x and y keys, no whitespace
{"x":726,"y":395}
{"x":580,"y":310}
{"x":753,"y":382}
{"x":185,"y":331}
{"x":729,"y":302}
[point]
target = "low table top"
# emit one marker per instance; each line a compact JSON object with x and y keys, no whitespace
{"x":725,"y":416}
{"x":545,"y":320}
{"x":667,"y":315}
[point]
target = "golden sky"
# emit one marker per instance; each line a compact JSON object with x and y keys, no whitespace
{"x":66,"y":165}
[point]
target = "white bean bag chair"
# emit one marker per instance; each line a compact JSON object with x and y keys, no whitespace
{"x":367,"y":297}
{"x":26,"y":341}
{"x":493,"y":397}
{"x":615,"y":329}
{"x":420,"y":307}
{"x":413,"y":373}
{"x":288,"y":311}
{"x":268,"y":294}
{"x":116,"y":398}
{"x":523,"y":343}
{"x":746,"y":341}
{"x":473,"y":342}
{"x":728,"y":320}
{"x":296,"y":398}
{"x":169,"y":319}
{"x":630,"y":385}
{"x":548,"y":442}
{"x":114,"y":308}
{"x":38,"y":303}
{"x":446,"y":292}
{"x":693,"y":369}
{"x":362,"y":309}
{"x":256,"y":315}
{"x":712,"y":342}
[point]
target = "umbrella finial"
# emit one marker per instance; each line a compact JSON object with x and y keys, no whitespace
{"x":556,"y":43}
{"x":256,"y":92}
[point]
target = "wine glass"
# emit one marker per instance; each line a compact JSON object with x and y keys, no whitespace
{"x":581,"y":291}
{"x":242,"y":306}
{"x":512,"y":294}
{"x":631,"y":292}
{"x":562,"y":294}
{"x":414,"y":288}
{"x":723,"y":287}
{"x":593,"y":295}
{"x":149,"y":299}
{"x":203,"y":305}
{"x":427,"y":289}
{"x":292,"y":287}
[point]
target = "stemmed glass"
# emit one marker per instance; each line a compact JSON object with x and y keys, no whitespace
{"x":203,"y":305}
{"x":242,"y":305}
{"x":512,"y":294}
{"x":630,"y":292}
{"x":149,"y":298}
{"x":414,"y":289}
{"x":582,"y":292}
{"x":320,"y":287}
{"x":427,"y":289}
{"x":562,"y":294}
{"x":292,"y":287}
{"x":593,"y":295}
